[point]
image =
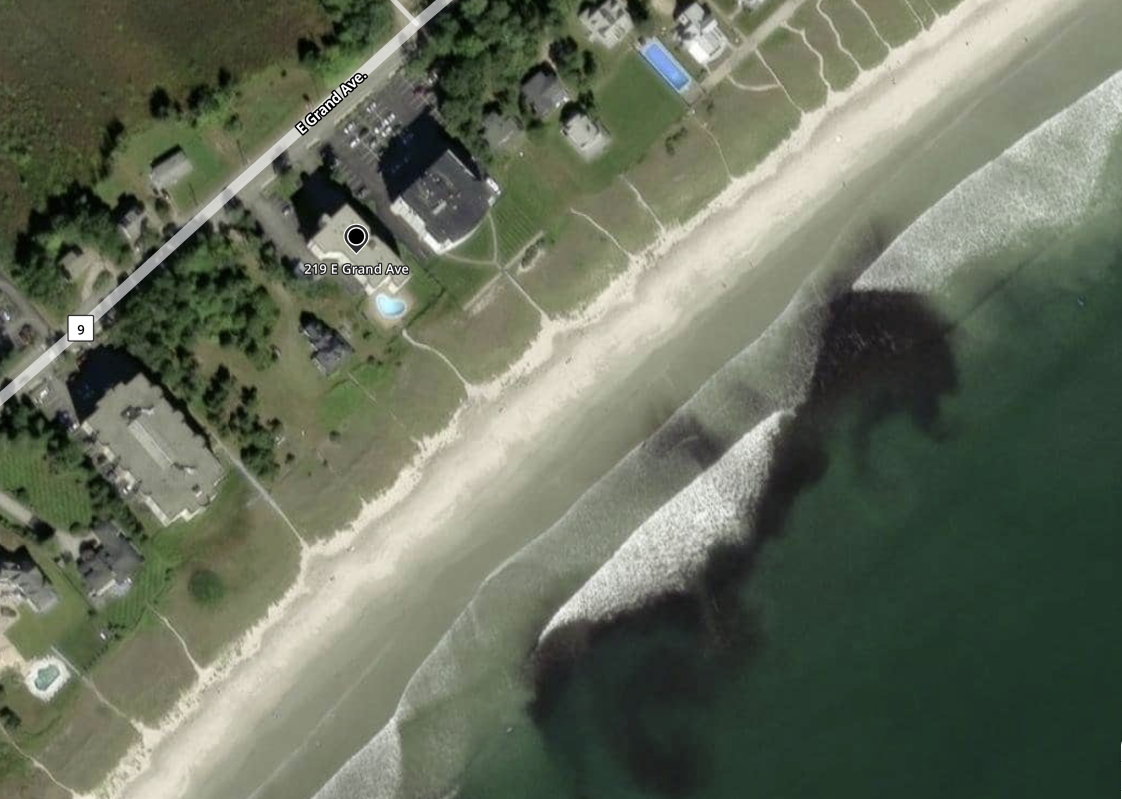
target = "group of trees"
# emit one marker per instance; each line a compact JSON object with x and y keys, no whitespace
{"x":201,"y":293}
{"x":240,"y":421}
{"x":20,"y":420}
{"x":482,"y":49}
{"x":76,"y":217}
{"x":355,"y":26}
{"x":203,"y":100}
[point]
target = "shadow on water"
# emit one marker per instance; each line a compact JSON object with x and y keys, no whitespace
{"x":628,"y":678}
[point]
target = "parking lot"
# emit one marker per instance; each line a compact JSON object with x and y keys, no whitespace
{"x":361,"y":138}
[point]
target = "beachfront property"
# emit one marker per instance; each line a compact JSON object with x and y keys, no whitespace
{"x":700,"y":34}
{"x":169,"y":169}
{"x":146,"y":448}
{"x":329,"y":349}
{"x":434,"y":185}
{"x":106,"y":562}
{"x":586,"y":135}
{"x":607,"y":23}
{"x":543,"y":93}
{"x":23,"y":582}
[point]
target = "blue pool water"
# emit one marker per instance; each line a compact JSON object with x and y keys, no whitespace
{"x":665,"y":64}
{"x":390,"y":307}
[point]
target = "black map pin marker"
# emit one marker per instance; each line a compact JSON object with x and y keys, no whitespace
{"x":356,"y":237}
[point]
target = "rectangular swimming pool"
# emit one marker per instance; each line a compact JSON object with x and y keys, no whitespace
{"x":663,"y":62}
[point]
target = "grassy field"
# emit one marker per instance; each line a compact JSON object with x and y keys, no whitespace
{"x":57,"y":495}
{"x":839,"y":68}
{"x":749,"y":124}
{"x":678,"y":183}
{"x":483,"y":341}
{"x":75,"y":67}
{"x":617,"y":209}
{"x":857,"y":35}
{"x":244,"y":541}
{"x":34,"y":634}
{"x":19,"y":779}
{"x":153,"y":651}
{"x":894,"y":20}
{"x":578,"y":262}
{"x":797,"y":67}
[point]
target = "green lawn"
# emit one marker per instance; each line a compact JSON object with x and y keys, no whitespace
{"x":54,"y":493}
{"x":840,"y":70}
{"x":797,"y":68}
{"x":750,"y":125}
{"x":893,"y":19}
{"x":578,"y":262}
{"x":145,"y":675}
{"x":856,"y":34}
{"x":678,"y":184}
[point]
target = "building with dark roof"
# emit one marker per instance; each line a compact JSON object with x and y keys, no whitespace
{"x":21,"y":580}
{"x":434,"y":185}
{"x":107,"y":562}
{"x":329,"y":349}
{"x":543,"y":93}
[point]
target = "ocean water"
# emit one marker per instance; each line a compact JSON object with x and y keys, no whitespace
{"x":876,"y":552}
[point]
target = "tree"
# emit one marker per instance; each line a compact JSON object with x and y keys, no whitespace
{"x":206,"y":587}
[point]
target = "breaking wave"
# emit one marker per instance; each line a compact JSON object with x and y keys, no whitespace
{"x":647,"y":528}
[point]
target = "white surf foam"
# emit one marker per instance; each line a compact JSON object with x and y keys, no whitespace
{"x":1046,"y":181}
{"x":670,"y":549}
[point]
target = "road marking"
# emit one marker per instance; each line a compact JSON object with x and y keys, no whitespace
{"x":403,"y":9}
{"x":212,"y":208}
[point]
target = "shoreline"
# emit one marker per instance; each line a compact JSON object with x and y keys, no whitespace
{"x":641,"y":308}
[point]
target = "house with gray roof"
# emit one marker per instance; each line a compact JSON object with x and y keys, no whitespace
{"x":498,"y":129}
{"x":329,"y":349}
{"x":21,"y":580}
{"x":107,"y":562}
{"x":586,"y":135}
{"x":149,"y":450}
{"x":543,"y":93}
{"x":169,"y":169}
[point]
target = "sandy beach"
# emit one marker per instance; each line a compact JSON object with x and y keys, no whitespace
{"x":569,"y":369}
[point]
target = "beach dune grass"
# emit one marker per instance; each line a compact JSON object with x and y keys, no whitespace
{"x":578,"y":262}
{"x":483,"y":340}
{"x":19,"y":779}
{"x":894,"y":20}
{"x":618,"y":211}
{"x":839,"y":69}
{"x":749,"y":124}
{"x":678,"y":184}
{"x":857,"y":35}
{"x":246,"y":543}
{"x":797,"y":67}
{"x":146,"y":674}
{"x":413,"y":386}
{"x":81,"y":745}
{"x":924,"y":11}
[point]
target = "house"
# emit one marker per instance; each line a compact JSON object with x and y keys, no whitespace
{"x":543,"y":93}
{"x":131,"y":223}
{"x":587,"y":136}
{"x":107,"y":562}
{"x":329,"y":349}
{"x":498,"y":129}
{"x":78,"y":263}
{"x":21,"y":580}
{"x":148,"y":448}
{"x":701,"y":34}
{"x":434,"y":185}
{"x":170,"y":168}
{"x":608,"y":23}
